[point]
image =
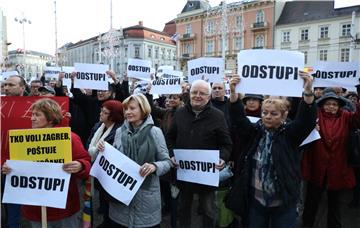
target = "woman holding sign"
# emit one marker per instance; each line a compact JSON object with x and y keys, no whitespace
{"x":111,"y":118}
{"x":144,"y":143}
{"x":268,"y":184}
{"x":46,"y":113}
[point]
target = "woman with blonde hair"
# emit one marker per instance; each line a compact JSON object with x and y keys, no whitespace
{"x":144,"y":143}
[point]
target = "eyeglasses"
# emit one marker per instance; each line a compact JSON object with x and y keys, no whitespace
{"x":198,"y":93}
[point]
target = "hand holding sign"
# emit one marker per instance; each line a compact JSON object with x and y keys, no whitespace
{"x":5,"y":169}
{"x":235,"y":80}
{"x":147,"y":169}
{"x":72,"y":167}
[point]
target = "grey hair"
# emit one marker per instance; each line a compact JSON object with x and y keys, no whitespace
{"x":201,"y":82}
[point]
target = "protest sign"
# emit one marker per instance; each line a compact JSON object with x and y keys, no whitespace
{"x":166,"y":86}
{"x":91,"y":76}
{"x":42,"y":144}
{"x":67,"y":76}
{"x":140,"y":69}
{"x":270,"y":72}
{"x":36,"y":183}
{"x":16,"y":114}
{"x":337,"y":74}
{"x":118,"y":174}
{"x":6,"y":74}
{"x":198,"y":166}
{"x":208,"y":69}
{"x":52,"y":72}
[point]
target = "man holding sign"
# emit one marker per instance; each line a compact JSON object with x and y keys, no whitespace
{"x":199,"y":126}
{"x":46,"y":113}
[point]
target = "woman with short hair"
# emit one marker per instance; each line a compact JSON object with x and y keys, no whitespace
{"x":144,"y":143}
{"x":46,"y":113}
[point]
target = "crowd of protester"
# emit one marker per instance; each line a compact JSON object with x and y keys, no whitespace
{"x":258,"y":138}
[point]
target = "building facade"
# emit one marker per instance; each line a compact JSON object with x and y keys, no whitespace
{"x":318,"y":30}
{"x":131,"y":42}
{"x":3,"y":40}
{"x":224,"y":30}
{"x":35,"y":62}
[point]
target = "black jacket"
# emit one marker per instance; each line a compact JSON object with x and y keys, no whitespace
{"x":207,"y":131}
{"x":285,"y":148}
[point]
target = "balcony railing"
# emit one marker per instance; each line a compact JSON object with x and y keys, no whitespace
{"x":259,"y":25}
{"x":187,"y":36}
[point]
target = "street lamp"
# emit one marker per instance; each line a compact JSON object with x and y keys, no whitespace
{"x":23,"y":20}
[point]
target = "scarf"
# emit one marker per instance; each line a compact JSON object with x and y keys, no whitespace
{"x":267,"y":175}
{"x":99,"y":135}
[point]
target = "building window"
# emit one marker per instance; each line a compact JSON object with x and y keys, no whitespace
{"x":169,"y":54}
{"x":210,"y":27}
{"x":149,"y":52}
{"x":345,"y":54}
{"x":286,"y":36}
{"x":324,"y":32}
{"x":260,"y":16}
{"x":156,"y":53}
{"x":323,"y":55}
{"x":163,"y":53}
{"x":238,"y":23}
{"x":226,"y":45}
{"x":137,"y":52}
{"x":304,"y":34}
{"x":259,"y":41}
{"x":210,"y":46}
{"x":126,"y":52}
{"x":188,"y":49}
{"x":188,"y":29}
{"x":346,"y":30}
{"x":238,"y":43}
{"x":305,"y":57}
{"x":162,"y":38}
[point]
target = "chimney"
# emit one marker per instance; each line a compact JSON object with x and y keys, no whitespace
{"x":141,"y":23}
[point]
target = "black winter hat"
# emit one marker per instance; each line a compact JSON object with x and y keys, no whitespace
{"x":254,"y":96}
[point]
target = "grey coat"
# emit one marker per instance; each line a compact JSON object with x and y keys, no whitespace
{"x":145,"y":208}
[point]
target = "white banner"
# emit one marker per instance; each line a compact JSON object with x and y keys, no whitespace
{"x":166,"y":86}
{"x":140,"y":69}
{"x":337,"y":74}
{"x":91,"y":76}
{"x":52,"y":72}
{"x":208,"y":69}
{"x":198,"y":166}
{"x":171,"y":74}
{"x":270,"y":72}
{"x":118,"y":174}
{"x":67,"y":77}
{"x":6,"y":74}
{"x":161,"y":69}
{"x":36,"y":183}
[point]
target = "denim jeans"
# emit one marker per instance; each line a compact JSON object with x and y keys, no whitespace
{"x":264,"y":217}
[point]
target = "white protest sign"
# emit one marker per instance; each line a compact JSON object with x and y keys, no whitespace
{"x":140,"y":69}
{"x":52,"y":72}
{"x":270,"y":72}
{"x":6,"y":74}
{"x":67,"y":77}
{"x":198,"y":166}
{"x":314,"y":135}
{"x":166,"y":86}
{"x":36,"y":183}
{"x":118,"y":174}
{"x":171,"y":74}
{"x":337,"y":74}
{"x":208,"y":69}
{"x":91,"y":76}
{"x":161,"y":69}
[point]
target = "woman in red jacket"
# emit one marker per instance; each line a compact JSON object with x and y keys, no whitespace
{"x":324,"y":164}
{"x":46,"y":113}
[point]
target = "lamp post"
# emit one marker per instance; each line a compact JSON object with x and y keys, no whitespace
{"x":23,"y":20}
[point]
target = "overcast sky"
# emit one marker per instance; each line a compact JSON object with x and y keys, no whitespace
{"x":82,"y":19}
